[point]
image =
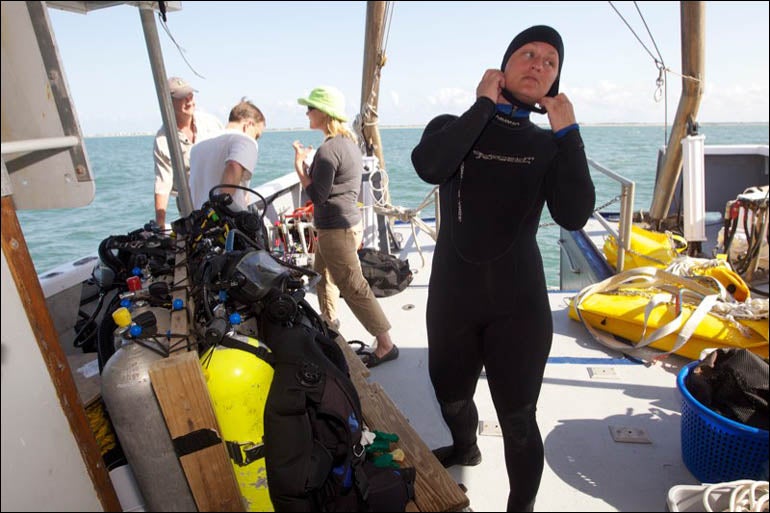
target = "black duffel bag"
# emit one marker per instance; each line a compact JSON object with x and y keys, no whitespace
{"x":386,"y":274}
{"x":733,"y":383}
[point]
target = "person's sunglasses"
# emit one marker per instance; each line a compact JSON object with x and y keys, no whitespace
{"x":310,"y":109}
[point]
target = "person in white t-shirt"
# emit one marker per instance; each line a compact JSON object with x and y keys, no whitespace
{"x":229,"y":158}
{"x":193,"y":126}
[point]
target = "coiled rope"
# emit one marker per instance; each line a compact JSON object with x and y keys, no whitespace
{"x":745,"y":495}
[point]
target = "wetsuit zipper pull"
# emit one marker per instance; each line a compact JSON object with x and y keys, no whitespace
{"x":459,"y":195}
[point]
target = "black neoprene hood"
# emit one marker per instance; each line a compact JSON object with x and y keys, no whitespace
{"x":543,"y":34}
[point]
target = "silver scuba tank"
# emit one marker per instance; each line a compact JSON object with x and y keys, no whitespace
{"x":139,"y":422}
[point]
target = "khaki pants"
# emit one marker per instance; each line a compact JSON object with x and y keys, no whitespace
{"x":336,"y":260}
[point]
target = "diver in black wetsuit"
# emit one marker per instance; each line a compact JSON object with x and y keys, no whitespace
{"x":487,"y":302}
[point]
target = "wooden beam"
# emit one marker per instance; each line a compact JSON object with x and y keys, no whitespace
{"x":374,"y":60}
{"x":181,"y":390}
{"x":31,"y":295}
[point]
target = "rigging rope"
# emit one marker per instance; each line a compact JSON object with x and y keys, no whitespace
{"x":162,"y":17}
{"x":660,"y":82}
{"x":658,"y":63}
{"x":389,"y":18}
{"x":382,"y":206}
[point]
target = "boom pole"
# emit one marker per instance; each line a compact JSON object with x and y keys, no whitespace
{"x":693,"y":30}
{"x":374,"y":60}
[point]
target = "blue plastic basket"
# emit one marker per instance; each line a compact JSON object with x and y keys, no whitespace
{"x":716,"y":449}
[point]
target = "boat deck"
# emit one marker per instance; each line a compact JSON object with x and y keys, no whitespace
{"x":611,"y":427}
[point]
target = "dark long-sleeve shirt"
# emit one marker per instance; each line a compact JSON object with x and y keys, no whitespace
{"x":336,"y":172}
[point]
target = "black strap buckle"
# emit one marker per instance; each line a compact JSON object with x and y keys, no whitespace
{"x":245,"y":453}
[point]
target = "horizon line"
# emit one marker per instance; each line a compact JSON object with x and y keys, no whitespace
{"x":391,"y":127}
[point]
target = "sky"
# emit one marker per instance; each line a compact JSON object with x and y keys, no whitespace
{"x":275,"y":52}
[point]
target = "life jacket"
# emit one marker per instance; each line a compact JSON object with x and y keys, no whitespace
{"x":313,"y":426}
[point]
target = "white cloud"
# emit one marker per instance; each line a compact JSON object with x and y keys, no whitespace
{"x":737,"y":102}
{"x":451,"y":97}
{"x":395,"y":98}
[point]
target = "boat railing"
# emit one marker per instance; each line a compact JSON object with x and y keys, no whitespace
{"x":623,"y":233}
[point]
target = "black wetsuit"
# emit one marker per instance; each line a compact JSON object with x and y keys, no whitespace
{"x":487,"y":303}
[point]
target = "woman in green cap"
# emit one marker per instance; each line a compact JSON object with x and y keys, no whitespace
{"x":333,"y":181}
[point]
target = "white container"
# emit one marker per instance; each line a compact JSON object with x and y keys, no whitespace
{"x":126,"y":488}
{"x":693,"y":193}
{"x":370,"y":237}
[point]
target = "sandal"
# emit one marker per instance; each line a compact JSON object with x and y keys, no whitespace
{"x":372,"y":360}
{"x":361,"y":346}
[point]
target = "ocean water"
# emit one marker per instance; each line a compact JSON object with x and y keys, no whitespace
{"x":124,"y":201}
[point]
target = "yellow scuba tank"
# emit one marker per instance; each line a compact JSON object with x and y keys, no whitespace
{"x":238,"y":377}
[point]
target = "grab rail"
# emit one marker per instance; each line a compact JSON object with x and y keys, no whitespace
{"x":623,"y":235}
{"x":40,"y":144}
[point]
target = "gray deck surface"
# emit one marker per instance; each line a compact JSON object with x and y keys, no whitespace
{"x":587,"y":392}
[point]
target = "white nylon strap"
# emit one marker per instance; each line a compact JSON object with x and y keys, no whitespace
{"x":664,"y":330}
{"x":646,"y":277}
{"x":692,"y":323}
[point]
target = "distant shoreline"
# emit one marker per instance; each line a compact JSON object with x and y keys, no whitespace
{"x":398,"y":127}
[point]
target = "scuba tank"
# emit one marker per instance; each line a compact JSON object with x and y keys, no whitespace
{"x":137,"y":417}
{"x":238,"y":372}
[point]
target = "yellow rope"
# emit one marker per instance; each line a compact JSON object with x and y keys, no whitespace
{"x":101,"y":427}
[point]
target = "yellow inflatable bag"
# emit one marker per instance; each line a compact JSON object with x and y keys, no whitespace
{"x":648,"y":248}
{"x":648,"y":306}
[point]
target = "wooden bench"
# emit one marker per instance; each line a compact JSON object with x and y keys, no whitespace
{"x":435,"y":489}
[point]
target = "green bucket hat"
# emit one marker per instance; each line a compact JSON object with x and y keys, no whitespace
{"x":328,"y":100}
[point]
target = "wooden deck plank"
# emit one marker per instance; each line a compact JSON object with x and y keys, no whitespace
{"x":435,"y":489}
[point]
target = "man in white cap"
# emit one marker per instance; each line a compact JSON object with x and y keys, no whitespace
{"x":193,"y":126}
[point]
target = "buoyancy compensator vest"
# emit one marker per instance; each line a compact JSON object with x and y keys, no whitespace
{"x":313,"y":426}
